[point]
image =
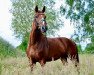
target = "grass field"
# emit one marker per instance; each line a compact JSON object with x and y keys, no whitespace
{"x":20,"y":66}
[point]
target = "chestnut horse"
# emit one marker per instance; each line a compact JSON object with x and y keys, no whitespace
{"x":42,"y":49}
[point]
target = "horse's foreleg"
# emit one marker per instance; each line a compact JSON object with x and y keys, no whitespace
{"x":42,"y":62}
{"x":31,"y":63}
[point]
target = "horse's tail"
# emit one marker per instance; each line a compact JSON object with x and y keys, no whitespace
{"x":73,"y":52}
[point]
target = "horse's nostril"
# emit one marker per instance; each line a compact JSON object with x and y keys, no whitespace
{"x":43,"y":28}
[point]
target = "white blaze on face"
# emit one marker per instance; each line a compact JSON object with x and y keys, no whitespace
{"x":43,"y":22}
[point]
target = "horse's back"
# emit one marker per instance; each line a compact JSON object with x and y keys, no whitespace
{"x":61,"y":41}
{"x":57,"y":47}
{"x":61,"y":45}
{"x":69,"y":44}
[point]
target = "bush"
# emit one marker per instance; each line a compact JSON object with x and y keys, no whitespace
{"x":6,"y":49}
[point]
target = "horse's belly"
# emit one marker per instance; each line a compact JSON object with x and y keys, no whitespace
{"x":52,"y":58}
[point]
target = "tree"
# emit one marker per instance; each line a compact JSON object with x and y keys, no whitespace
{"x":23,"y":14}
{"x":90,"y":47}
{"x":79,"y":48}
{"x":81,"y":13}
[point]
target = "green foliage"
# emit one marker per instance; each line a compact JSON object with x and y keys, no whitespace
{"x":81,"y":12}
{"x":79,"y":48}
{"x":24,"y":43}
{"x":89,"y":48}
{"x":92,"y":38}
{"x":6,"y":49}
{"x":70,"y":2}
{"x":86,"y":18}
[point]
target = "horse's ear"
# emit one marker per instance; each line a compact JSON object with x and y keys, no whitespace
{"x":36,"y":8}
{"x":43,"y":10}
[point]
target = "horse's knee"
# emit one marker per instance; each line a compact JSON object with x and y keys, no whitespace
{"x":31,"y":63}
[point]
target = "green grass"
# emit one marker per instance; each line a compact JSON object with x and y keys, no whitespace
{"x":20,"y":66}
{"x":6,"y":49}
{"x":0,"y":68}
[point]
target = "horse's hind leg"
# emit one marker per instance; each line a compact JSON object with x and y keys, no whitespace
{"x":75,"y":59}
{"x":64,"y":60}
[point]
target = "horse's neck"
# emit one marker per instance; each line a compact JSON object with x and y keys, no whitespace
{"x":39,"y":40}
{"x":36,"y":36}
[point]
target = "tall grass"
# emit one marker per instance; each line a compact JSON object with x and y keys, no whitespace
{"x":20,"y":66}
{"x":0,"y":68}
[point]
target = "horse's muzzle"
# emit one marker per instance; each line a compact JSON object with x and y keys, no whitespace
{"x":44,"y":29}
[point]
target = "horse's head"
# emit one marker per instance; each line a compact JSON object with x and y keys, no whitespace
{"x":40,"y":19}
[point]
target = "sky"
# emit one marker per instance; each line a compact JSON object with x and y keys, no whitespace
{"x":6,"y":31}
{"x":5,"y":23}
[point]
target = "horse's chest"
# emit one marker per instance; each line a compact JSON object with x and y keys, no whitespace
{"x":36,"y":54}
